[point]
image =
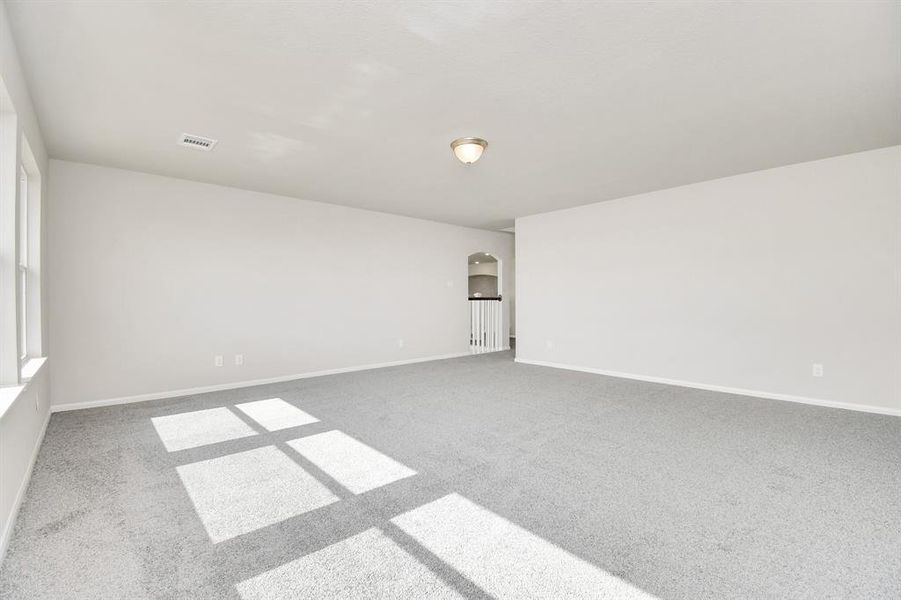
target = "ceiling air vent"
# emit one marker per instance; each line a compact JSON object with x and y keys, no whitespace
{"x":197,"y":142}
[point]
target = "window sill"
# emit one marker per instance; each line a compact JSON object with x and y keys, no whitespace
{"x":8,"y":395}
{"x":30,"y":368}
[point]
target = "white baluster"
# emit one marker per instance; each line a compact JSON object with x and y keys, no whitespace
{"x":478,"y":332}
{"x":499,"y":332}
{"x":481,"y":326}
{"x":484,"y":326}
{"x":497,"y":325}
{"x":488,"y":314}
{"x":487,"y":325}
{"x":497,"y":321}
{"x":475,"y":327}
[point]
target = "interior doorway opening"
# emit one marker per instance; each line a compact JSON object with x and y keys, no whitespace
{"x":486,"y":309}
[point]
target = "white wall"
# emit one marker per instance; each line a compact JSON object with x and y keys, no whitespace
{"x":23,"y":412}
{"x":742,"y":282}
{"x":14,"y":81}
{"x":153,"y":276}
{"x":483,"y":268}
{"x":22,"y":424}
{"x":510,"y":284}
{"x":484,"y":285}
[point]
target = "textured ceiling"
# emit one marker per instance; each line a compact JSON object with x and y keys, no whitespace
{"x":356,"y":103}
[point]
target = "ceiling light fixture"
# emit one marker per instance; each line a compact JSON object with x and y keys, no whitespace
{"x":468,"y":149}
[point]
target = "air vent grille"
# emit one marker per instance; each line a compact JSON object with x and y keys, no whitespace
{"x":197,"y":142}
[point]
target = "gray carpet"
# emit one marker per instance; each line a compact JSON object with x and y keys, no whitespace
{"x":465,"y":478}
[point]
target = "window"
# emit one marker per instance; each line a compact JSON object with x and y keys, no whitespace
{"x":22,"y":300}
{"x":28,"y":284}
{"x":20,"y":251}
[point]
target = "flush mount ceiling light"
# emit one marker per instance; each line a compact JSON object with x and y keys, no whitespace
{"x":468,"y":149}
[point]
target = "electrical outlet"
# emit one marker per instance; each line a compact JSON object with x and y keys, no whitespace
{"x":400,"y":343}
{"x":549,"y":344}
{"x":239,"y":359}
{"x":817,"y":370}
{"x":218,"y":360}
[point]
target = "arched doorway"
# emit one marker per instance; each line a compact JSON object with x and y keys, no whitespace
{"x":486,"y":310}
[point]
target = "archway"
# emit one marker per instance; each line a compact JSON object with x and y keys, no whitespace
{"x":486,"y":310}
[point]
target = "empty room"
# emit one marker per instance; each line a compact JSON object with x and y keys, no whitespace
{"x":484,"y":300}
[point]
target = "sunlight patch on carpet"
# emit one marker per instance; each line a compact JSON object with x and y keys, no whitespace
{"x":200,"y":428}
{"x":275,"y":414}
{"x":242,"y":492}
{"x":367,"y":565}
{"x":350,"y":462}
{"x":505,"y":560}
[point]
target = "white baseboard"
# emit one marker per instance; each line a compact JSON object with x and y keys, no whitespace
{"x":882,"y":410}
{"x":20,"y":495}
{"x":243,"y":384}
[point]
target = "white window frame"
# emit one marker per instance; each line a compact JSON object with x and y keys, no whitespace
{"x":22,"y":268}
{"x":21,"y":338}
{"x":9,"y":203}
{"x":29,"y":314}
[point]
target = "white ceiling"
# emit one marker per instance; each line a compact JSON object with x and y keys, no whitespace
{"x":356,"y":103}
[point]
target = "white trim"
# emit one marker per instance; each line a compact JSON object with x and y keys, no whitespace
{"x":243,"y":384}
{"x":9,"y":395}
{"x":882,"y":410}
{"x":20,"y":495}
{"x":504,"y":349}
{"x":30,"y":367}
